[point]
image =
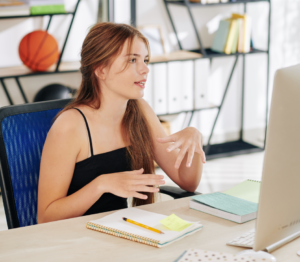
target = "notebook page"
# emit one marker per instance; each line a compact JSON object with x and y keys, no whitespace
{"x":151,"y":219}
{"x":247,"y":190}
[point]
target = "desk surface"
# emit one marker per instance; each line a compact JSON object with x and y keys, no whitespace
{"x":69,"y":240}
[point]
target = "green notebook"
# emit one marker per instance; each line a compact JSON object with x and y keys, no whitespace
{"x":247,"y":190}
{"x":47,"y":9}
{"x":238,"y":204}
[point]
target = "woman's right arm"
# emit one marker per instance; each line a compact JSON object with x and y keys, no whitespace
{"x":62,"y":146}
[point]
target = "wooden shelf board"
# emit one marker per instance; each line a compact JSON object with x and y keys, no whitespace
{"x":175,"y":56}
{"x":23,"y":71}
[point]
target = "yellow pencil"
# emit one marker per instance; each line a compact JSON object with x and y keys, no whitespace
{"x":141,"y":225}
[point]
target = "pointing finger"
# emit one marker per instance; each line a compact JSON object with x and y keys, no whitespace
{"x":190,"y":156}
{"x":203,"y":157}
{"x":180,"y":156}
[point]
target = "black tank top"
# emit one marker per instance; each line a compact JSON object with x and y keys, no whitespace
{"x":88,"y":169}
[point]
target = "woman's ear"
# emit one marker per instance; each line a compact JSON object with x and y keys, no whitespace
{"x":100,"y":72}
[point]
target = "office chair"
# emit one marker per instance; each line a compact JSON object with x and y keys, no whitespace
{"x":23,"y":131}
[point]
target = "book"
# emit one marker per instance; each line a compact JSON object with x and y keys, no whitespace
{"x":40,"y":7}
{"x":47,"y":9}
{"x":14,"y":10}
{"x":220,"y":37}
{"x":10,"y":3}
{"x":114,"y":225}
{"x":236,"y":37}
{"x":44,"y":2}
{"x":245,"y":39}
{"x":241,"y":36}
{"x":195,"y":255}
{"x":231,"y":36}
{"x":238,"y":204}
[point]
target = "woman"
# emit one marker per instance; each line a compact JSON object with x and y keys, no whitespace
{"x":101,"y":147}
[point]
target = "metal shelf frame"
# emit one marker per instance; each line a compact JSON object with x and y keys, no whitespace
{"x":17,"y":77}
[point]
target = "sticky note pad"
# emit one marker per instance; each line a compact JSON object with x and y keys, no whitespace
{"x":174,"y":223}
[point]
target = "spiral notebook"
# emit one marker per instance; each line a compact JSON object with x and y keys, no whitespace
{"x":114,"y":225}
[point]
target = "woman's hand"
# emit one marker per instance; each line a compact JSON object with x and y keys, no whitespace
{"x":129,"y":184}
{"x":187,"y":140}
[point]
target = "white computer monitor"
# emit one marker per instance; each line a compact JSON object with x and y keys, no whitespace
{"x":278,"y":219}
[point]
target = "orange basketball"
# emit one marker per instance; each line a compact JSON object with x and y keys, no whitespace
{"x":38,"y":50}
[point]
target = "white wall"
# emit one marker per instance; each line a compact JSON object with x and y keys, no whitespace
{"x":284,"y":51}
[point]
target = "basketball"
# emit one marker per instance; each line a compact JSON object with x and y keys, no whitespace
{"x":38,"y":50}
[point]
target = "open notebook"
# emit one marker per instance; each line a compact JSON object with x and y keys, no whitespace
{"x":114,"y":225}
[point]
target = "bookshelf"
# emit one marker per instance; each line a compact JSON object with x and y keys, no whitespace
{"x":233,"y":147}
{"x":22,"y":71}
{"x":239,"y":146}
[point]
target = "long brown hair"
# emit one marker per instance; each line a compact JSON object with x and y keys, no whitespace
{"x":101,"y":45}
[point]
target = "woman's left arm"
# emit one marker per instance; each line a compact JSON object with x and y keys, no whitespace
{"x":179,"y":155}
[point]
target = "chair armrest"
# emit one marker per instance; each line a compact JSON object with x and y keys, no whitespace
{"x":176,"y":192}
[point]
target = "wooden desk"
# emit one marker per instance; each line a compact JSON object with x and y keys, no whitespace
{"x":69,"y":240}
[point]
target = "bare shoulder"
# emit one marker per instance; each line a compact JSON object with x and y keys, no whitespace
{"x":68,"y":123}
{"x":148,"y":111}
{"x":151,"y":117}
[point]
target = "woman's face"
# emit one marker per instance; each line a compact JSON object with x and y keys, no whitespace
{"x":128,"y":83}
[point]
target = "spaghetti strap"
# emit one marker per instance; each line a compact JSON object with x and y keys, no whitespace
{"x":87,"y":127}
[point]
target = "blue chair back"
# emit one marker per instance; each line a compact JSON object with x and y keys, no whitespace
{"x":23,"y":133}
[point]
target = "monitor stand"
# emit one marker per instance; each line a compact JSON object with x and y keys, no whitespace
{"x":257,"y":254}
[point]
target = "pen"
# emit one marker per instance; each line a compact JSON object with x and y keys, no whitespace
{"x":141,"y":225}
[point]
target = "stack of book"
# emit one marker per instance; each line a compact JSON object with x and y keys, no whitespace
{"x":233,"y":35}
{"x":13,"y":8}
{"x":40,"y":7}
{"x":238,"y":204}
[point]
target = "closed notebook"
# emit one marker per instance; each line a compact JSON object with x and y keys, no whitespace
{"x":47,"y":9}
{"x":114,"y":225}
{"x":14,"y":10}
{"x":238,"y":204}
{"x":231,"y":36}
{"x":245,"y":39}
{"x":236,"y":37}
{"x":195,"y":255}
